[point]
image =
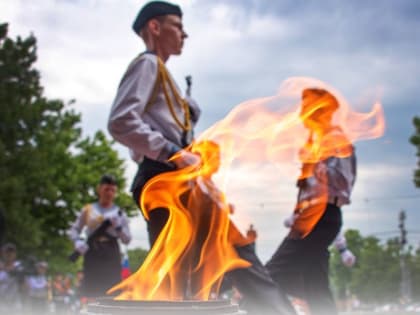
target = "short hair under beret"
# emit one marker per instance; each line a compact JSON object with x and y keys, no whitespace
{"x":152,"y":10}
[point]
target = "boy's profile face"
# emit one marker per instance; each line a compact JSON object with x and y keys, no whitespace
{"x":172,"y":34}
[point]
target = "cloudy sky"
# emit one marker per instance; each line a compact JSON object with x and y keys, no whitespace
{"x":241,"y":50}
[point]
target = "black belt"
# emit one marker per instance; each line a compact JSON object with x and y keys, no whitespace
{"x":147,"y":169}
{"x":336,"y":201}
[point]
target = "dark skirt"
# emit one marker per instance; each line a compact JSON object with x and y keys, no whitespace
{"x":101,"y":267}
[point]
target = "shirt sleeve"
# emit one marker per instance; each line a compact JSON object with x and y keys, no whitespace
{"x":125,"y":122}
{"x":338,"y":170}
{"x":125,"y":234}
{"x":77,"y":226}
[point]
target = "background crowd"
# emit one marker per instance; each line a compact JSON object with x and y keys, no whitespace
{"x":27,"y":287}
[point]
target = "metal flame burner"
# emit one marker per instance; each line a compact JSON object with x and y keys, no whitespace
{"x":113,"y":307}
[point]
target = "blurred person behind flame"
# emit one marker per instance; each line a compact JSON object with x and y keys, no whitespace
{"x":36,"y":287}
{"x":105,"y":224}
{"x":300,"y":264}
{"x":11,"y":280}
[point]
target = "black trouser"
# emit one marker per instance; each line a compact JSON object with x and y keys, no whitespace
{"x":158,"y":217}
{"x":261,"y":294}
{"x":301,"y":266}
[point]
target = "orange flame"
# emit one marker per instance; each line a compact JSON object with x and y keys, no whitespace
{"x":195,"y":248}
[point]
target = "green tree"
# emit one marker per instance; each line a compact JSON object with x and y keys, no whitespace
{"x":95,"y":156}
{"x":48,"y":171}
{"x":415,"y":275}
{"x":341,"y":275}
{"x":35,"y":133}
{"x":136,"y":257}
{"x":415,"y":140}
{"x":376,"y":276}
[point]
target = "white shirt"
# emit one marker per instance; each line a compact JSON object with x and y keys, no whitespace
{"x":37,"y":286}
{"x":147,"y":130}
{"x":334,"y":175}
{"x":91,"y":217}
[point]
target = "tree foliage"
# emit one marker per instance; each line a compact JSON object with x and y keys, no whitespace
{"x":340,"y":274}
{"x":376,"y":276}
{"x":415,"y":274}
{"x":48,"y":169}
{"x":136,"y":257}
{"x":415,"y":140}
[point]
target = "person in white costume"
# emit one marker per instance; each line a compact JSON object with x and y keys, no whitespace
{"x":101,"y":251}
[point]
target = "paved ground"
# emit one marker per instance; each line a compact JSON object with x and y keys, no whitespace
{"x":379,"y":313}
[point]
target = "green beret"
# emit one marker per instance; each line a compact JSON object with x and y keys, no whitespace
{"x":152,"y":10}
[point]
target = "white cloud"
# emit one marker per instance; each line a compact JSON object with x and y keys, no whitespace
{"x":9,"y":9}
